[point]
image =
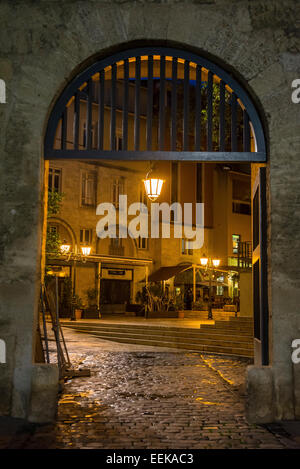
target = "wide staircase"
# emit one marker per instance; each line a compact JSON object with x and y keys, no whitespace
{"x":231,"y":337}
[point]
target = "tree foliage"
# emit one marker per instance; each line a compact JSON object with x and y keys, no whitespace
{"x":52,"y":239}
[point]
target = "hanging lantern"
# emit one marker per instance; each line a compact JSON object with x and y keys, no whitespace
{"x":153,"y":186}
{"x":86,"y":250}
{"x":216,"y":262}
{"x":65,"y":247}
{"x":204,"y":260}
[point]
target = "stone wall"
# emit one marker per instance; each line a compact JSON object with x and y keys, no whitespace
{"x":42,"y":46}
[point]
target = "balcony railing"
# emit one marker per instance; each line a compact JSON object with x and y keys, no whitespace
{"x":244,"y":256}
{"x":243,"y":259}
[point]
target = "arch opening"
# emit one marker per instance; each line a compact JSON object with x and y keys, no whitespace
{"x":155,"y":103}
{"x":178,"y":108}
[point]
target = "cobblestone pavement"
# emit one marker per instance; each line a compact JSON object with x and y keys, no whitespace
{"x":151,"y":399}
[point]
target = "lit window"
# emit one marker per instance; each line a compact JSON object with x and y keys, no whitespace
{"x":85,"y":236}
{"x":185,"y":247}
{"x":235,"y":243}
{"x":54,"y":180}
{"x":142,"y":243}
{"x":117,"y":189}
{"x":88,"y":188}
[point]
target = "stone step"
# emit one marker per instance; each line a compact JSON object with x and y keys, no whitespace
{"x":165,"y":332}
{"x":232,"y":337}
{"x":233,"y":350}
{"x":168,"y":338}
{"x":217,"y":315}
{"x":227,"y":325}
{"x":229,"y":330}
{"x":210,"y":327}
{"x":240,"y":320}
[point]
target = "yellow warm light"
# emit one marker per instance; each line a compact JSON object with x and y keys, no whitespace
{"x":153,"y":187}
{"x":65,"y":248}
{"x":204,"y":261}
{"x":86,"y":250}
{"x":216,"y":262}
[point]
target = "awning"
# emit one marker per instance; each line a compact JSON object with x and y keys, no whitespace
{"x":165,"y":273}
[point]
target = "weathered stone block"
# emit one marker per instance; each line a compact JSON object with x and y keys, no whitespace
{"x":6,"y":373}
{"x":259,"y":406}
{"x":283,"y":390}
{"x":44,"y":393}
{"x":296,"y":376}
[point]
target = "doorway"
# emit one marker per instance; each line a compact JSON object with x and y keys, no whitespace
{"x":187,"y":115}
{"x":115,"y":292}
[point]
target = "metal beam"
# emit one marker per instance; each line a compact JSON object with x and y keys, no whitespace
{"x":156,"y":155}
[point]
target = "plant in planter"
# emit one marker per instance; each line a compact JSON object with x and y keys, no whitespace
{"x":161,"y":302}
{"x":66,"y":301}
{"x":198,"y":306}
{"x":179,"y":306}
{"x":91,"y":294}
{"x":77,"y":306}
{"x":92,"y":311}
{"x":139,"y":297}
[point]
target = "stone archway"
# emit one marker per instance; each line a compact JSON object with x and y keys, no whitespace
{"x":51,"y":55}
{"x":242,"y":141}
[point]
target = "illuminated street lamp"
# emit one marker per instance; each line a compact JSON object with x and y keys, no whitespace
{"x":86,"y":250}
{"x":209,"y":263}
{"x":153,"y":185}
{"x":65,"y":247}
{"x":204,"y":261}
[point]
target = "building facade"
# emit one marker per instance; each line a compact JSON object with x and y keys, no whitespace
{"x":118,"y":268}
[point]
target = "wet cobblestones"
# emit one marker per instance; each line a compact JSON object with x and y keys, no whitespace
{"x":148,"y":399}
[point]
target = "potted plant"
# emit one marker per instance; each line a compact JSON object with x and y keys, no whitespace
{"x":66,"y":301}
{"x":77,"y":305}
{"x":179,"y":305}
{"x":92,"y":311}
{"x":92,"y":297}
